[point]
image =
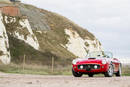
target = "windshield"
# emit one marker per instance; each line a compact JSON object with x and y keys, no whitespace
{"x":100,"y":54}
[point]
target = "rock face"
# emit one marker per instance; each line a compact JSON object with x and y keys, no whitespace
{"x":22,"y":31}
{"x":40,"y":22}
{"x":80,"y":46}
{"x":41,"y":35}
{"x":4,"y":44}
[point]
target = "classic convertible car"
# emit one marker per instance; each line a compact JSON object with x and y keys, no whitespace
{"x":95,"y":63}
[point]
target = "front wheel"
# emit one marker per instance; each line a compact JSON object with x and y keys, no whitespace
{"x":118,"y":74}
{"x":110,"y":71}
{"x":76,"y":74}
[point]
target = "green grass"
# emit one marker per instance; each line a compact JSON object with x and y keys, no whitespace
{"x":126,"y":70}
{"x":127,"y":74}
{"x":34,"y":69}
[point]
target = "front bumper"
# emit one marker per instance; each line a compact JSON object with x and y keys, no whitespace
{"x":88,"y":68}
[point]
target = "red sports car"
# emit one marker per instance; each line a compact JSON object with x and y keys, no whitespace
{"x":97,"y":62}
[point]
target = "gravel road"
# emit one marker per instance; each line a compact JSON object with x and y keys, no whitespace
{"x":18,"y":80}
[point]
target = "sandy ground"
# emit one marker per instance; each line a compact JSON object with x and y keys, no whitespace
{"x":14,"y":80}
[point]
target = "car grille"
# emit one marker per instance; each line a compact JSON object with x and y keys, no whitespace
{"x":88,"y":67}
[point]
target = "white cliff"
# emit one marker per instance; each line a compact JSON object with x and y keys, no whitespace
{"x":27,"y":36}
{"x":26,"y":30}
{"x":31,"y":38}
{"x":4,"y":44}
{"x":77,"y":46}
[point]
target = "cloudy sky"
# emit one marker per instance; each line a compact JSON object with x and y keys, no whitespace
{"x":108,"y":20}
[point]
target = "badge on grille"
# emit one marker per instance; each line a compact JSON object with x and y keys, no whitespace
{"x":88,"y":66}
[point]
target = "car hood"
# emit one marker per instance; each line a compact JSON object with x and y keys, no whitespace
{"x":89,"y":60}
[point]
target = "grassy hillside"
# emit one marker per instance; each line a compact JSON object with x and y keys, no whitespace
{"x":52,"y":25}
{"x":50,"y":20}
{"x":33,"y":56}
{"x":49,"y":28}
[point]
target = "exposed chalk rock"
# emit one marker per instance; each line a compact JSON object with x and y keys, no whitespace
{"x":77,"y":45}
{"x":4,"y":44}
{"x":25,"y":27}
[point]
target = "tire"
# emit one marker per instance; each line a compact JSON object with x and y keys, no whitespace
{"x":76,"y":74}
{"x":118,"y":74}
{"x":90,"y":75}
{"x":110,"y":71}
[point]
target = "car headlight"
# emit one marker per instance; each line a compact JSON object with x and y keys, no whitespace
{"x":104,"y":61}
{"x":95,"y":67}
{"x":74,"y":61}
{"x":81,"y":67}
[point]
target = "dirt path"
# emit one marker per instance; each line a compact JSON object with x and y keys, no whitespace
{"x":14,"y":80}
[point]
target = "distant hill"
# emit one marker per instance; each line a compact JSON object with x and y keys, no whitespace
{"x":41,"y":35}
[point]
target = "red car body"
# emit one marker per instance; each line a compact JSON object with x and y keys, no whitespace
{"x":95,"y":65}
